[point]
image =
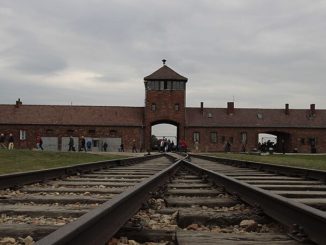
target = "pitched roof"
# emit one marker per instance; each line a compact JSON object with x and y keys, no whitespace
{"x":165,"y":73}
{"x":72,"y":115}
{"x":255,"y":118}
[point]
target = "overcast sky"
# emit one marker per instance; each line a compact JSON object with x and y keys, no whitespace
{"x":261,"y":53}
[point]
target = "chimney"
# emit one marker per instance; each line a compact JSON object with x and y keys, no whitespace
{"x":18,"y":103}
{"x":202,"y":107}
{"x":287,"y":109}
{"x":230,"y":108}
{"x":312,"y":109}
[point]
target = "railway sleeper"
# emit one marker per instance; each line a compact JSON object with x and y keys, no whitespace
{"x":24,"y":230}
{"x":200,"y":213}
{"x":48,"y":211}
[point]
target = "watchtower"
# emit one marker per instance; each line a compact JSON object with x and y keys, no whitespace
{"x":165,"y":101}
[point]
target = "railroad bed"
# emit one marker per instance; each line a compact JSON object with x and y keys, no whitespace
{"x":158,"y":199}
{"x":192,"y":211}
{"x":33,"y":211}
{"x":308,"y":191}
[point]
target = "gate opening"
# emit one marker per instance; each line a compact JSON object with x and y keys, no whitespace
{"x":267,"y":142}
{"x":164,"y":137}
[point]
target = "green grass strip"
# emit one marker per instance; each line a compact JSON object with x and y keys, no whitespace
{"x":304,"y":161}
{"x":26,"y":160}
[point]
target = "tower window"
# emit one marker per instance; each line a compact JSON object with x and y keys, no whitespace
{"x":169,"y":85}
{"x":161,"y":85}
{"x":165,"y":84}
{"x":156,"y":85}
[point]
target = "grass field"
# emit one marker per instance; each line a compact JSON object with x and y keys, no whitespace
{"x":304,"y":161}
{"x":26,"y":160}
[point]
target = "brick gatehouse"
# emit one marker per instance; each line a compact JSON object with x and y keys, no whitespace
{"x":301,"y":130}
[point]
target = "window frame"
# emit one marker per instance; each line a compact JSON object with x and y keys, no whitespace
{"x":196,"y":136}
{"x":214,"y":139}
{"x":22,"y":134}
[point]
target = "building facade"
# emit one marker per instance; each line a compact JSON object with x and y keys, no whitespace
{"x":297,"y":130}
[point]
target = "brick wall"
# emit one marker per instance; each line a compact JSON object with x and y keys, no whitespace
{"x":165,"y":102}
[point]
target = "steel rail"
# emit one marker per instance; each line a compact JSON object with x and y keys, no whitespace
{"x":19,"y":179}
{"x":284,"y":210}
{"x":100,"y":224}
{"x":274,"y":168}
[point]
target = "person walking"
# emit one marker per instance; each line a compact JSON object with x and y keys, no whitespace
{"x":11,"y":142}
{"x":134,"y":149}
{"x":105,"y":146}
{"x":122,"y":149}
{"x":82,"y":144}
{"x":40,"y":143}
{"x":71,"y":144}
{"x":2,"y":141}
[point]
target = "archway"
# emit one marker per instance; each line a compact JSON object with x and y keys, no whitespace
{"x":267,"y":142}
{"x":279,"y":141}
{"x":166,"y":131}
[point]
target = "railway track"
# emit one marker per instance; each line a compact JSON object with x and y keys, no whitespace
{"x":191,"y":211}
{"x":162,"y":200}
{"x":32,"y":211}
{"x":293,"y":183}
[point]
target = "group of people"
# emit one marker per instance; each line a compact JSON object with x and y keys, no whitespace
{"x":166,"y":145}
{"x":83,"y":146}
{"x":6,"y":142}
{"x":267,"y":146}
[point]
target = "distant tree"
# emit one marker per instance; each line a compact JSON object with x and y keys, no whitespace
{"x":154,"y":142}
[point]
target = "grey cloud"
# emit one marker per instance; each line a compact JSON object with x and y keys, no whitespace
{"x":261,"y":52}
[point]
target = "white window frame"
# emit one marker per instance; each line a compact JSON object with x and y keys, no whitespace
{"x":22,"y":134}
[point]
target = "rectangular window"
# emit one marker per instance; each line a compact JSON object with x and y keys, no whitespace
{"x":243,"y":138}
{"x":169,"y":85}
{"x":176,"y":107}
{"x":22,"y":134}
{"x":176,"y":85}
{"x":213,"y":137}
{"x":161,"y":85}
{"x":165,"y":85}
{"x":153,"y":107}
{"x":156,"y":85}
{"x":196,"y":136}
